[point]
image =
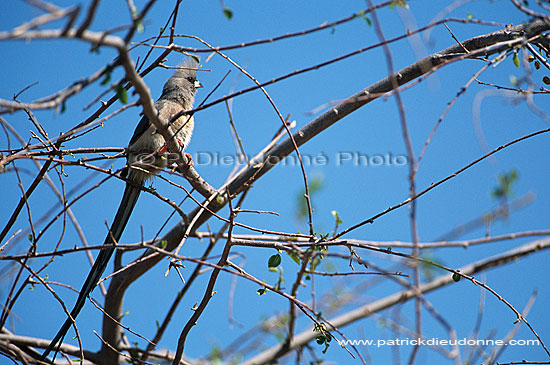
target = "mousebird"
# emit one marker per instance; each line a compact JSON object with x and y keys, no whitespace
{"x":143,"y":163}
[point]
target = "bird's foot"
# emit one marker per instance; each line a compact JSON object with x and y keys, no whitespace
{"x":165,"y":148}
{"x":190,"y":162}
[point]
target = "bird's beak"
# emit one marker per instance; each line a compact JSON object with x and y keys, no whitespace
{"x":198,"y":84}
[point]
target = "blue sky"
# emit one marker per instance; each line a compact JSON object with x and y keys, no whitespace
{"x":356,"y":192}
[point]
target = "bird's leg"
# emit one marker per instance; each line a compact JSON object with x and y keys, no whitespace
{"x":190,"y":162}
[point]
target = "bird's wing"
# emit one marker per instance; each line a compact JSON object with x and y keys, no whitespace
{"x":143,"y":125}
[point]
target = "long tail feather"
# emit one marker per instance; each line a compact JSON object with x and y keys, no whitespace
{"x":129,"y":199}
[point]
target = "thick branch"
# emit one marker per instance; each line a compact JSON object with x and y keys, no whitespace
{"x":24,"y":341}
{"x":283,"y":149}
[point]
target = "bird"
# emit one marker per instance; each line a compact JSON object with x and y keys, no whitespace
{"x":144,"y":161}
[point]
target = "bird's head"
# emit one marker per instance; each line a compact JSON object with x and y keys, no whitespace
{"x":183,"y":83}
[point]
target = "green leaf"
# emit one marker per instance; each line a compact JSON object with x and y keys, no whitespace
{"x":367,"y":20}
{"x":315,"y":262}
{"x":139,"y":24}
{"x":516,"y":60}
{"x":228,"y":13}
{"x":428,"y":270}
{"x":121,"y":94}
{"x":456,"y":277}
{"x":215,"y":355}
{"x":196,"y":58}
{"x":401,"y":3}
{"x":294,"y":257}
{"x":261,"y":291}
{"x":107,"y":78}
{"x":546,"y":80}
{"x":163,"y":244}
{"x":315,"y":186}
{"x":140,"y":27}
{"x":470,"y":16}
{"x":503,"y":190}
{"x":324,"y":338}
{"x":322,"y":237}
{"x":336,"y":216}
{"x":274,"y":261}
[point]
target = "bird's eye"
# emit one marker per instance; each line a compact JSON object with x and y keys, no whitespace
{"x":191,"y":79}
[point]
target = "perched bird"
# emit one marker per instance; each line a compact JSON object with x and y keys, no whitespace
{"x":144,"y":161}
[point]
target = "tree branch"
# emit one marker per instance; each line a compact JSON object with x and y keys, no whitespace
{"x":484,"y":45}
{"x":365,"y":311}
